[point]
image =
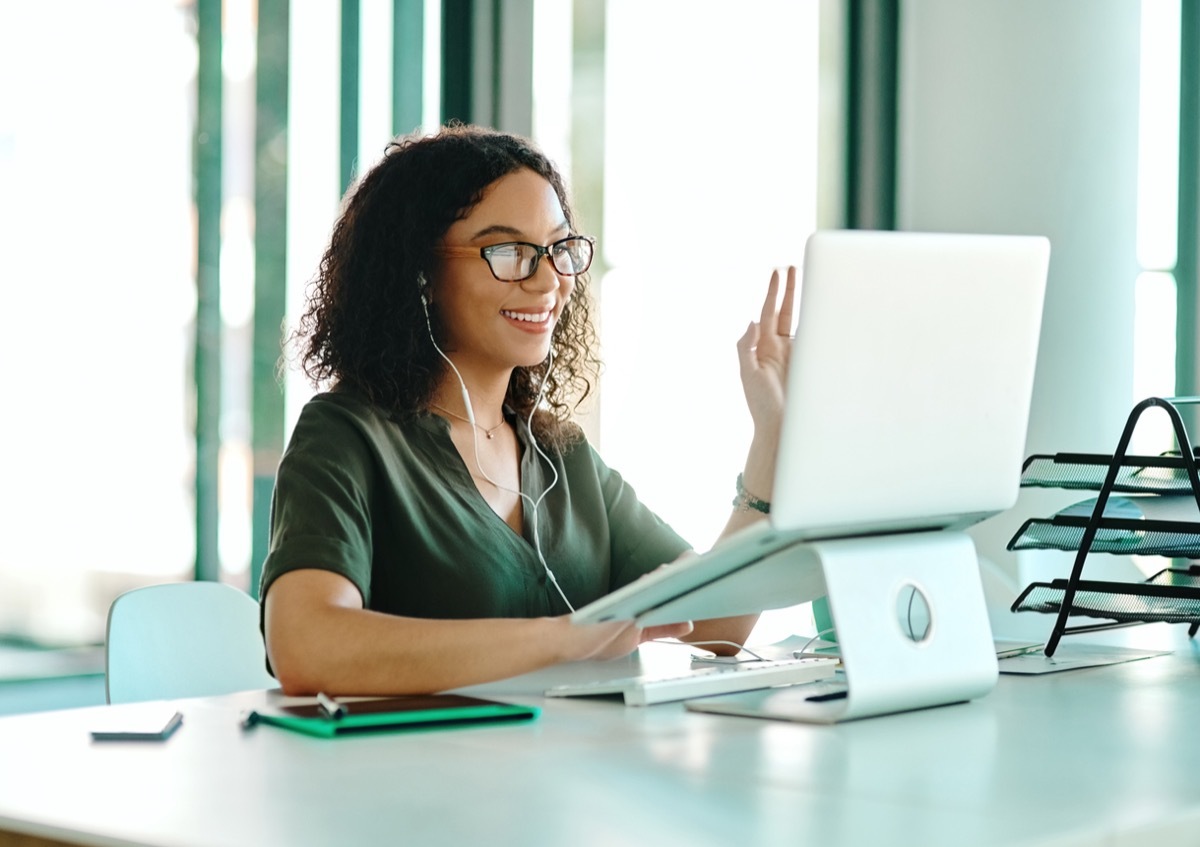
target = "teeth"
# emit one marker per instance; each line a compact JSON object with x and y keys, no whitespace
{"x":525,"y":316}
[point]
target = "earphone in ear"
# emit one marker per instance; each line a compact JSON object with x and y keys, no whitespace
{"x":423,"y":284}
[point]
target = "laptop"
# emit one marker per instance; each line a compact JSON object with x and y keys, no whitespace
{"x":908,"y":395}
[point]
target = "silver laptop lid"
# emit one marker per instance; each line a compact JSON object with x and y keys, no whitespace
{"x":910,"y":380}
{"x":908,"y":399}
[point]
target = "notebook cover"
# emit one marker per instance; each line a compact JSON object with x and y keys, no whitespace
{"x":395,"y":713}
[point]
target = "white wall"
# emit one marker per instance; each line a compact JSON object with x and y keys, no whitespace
{"x":1021,"y":116}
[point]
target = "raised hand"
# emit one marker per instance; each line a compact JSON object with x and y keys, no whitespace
{"x":763,"y":352}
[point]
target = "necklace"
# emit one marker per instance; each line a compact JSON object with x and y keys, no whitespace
{"x":485,"y":430}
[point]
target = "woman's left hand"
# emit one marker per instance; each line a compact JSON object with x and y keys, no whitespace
{"x":763,"y":352}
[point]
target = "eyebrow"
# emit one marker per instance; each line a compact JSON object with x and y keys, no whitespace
{"x":504,"y":229}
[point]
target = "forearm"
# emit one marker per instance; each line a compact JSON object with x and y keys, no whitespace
{"x":355,"y":651}
{"x":758,"y":477}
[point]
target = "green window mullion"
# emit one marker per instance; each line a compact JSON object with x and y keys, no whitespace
{"x":270,"y":266}
{"x":207,"y":359}
{"x":457,"y":60}
{"x":348,"y":133}
{"x":1187,"y":268}
{"x":872,"y":75}
{"x":408,"y":57}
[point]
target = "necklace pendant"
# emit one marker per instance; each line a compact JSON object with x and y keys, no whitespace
{"x":489,"y":435}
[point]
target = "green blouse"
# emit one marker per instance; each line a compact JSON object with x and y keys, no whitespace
{"x":391,"y":506}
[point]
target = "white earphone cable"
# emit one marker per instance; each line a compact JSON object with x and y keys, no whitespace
{"x":533,"y":504}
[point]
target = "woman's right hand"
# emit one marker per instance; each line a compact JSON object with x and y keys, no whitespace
{"x":614,"y":639}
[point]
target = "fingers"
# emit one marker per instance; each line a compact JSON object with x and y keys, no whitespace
{"x":768,"y":341}
{"x":614,"y":639}
{"x":789,"y":302}
{"x":670,"y":630}
{"x":769,"y":314}
{"x":779,"y":315}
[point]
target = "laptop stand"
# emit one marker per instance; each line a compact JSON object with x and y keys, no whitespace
{"x":903,"y":650}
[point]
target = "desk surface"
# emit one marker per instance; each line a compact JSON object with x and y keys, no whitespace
{"x":1106,"y":755}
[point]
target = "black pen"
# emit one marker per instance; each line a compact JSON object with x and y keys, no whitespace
{"x":332,"y":708}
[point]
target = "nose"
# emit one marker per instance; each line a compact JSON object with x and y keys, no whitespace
{"x":544,"y":279}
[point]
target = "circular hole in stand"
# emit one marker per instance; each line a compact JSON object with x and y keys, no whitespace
{"x":913,"y":613}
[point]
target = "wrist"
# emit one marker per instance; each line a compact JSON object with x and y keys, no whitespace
{"x":758,"y":474}
{"x":569,"y":642}
{"x":746,"y":500}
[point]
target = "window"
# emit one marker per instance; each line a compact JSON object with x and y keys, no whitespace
{"x":709,"y":165}
{"x":710,"y":181}
{"x":96,"y":232}
{"x":1157,"y":220}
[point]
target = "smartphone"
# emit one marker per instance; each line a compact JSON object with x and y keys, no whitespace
{"x":139,"y":725}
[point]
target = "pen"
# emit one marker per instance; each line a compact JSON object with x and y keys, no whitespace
{"x":332,"y":708}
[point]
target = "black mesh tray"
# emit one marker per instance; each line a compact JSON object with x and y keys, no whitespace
{"x":1117,"y":601}
{"x":1165,"y":474}
{"x":1122,"y":536}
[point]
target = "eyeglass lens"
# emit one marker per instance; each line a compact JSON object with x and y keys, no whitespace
{"x":517,"y":261}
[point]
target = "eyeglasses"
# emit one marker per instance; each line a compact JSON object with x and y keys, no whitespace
{"x":514,"y":261}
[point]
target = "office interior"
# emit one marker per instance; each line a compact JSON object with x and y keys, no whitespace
{"x":170,"y":171}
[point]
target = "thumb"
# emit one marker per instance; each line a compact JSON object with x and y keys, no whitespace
{"x":745,"y":348}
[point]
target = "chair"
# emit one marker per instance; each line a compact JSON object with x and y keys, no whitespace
{"x":183,"y":639}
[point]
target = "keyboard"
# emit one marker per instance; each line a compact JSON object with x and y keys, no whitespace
{"x":647,"y":690}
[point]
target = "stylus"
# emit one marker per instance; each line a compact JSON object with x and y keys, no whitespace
{"x":332,"y":708}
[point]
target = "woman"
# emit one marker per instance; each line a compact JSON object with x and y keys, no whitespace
{"x":436,"y":514}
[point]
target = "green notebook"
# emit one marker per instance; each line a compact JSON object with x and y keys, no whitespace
{"x":423,"y":711}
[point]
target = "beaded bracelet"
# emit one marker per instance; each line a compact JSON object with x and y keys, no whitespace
{"x":745,"y":501}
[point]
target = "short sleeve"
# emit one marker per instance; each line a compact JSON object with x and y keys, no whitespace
{"x":640,"y":539}
{"x":320,"y":508}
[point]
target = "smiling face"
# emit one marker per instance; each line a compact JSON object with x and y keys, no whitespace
{"x":491,"y":325}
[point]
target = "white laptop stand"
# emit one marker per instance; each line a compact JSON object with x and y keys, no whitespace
{"x":899,"y":653}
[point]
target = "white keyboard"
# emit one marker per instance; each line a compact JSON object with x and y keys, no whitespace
{"x":703,"y":681}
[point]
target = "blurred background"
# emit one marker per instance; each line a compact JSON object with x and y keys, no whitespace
{"x":170,"y":172}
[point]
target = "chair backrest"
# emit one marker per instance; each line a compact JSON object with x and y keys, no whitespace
{"x":183,"y":639}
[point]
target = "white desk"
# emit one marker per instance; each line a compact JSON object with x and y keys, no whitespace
{"x":1100,"y":756}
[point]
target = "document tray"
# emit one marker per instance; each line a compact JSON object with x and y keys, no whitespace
{"x":1116,"y":601}
{"x":1124,"y":536}
{"x":1163,"y":474}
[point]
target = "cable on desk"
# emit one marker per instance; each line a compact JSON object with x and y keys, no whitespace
{"x":741,"y":647}
{"x":807,"y":644}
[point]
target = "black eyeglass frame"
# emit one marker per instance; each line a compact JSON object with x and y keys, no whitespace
{"x":539,"y":251}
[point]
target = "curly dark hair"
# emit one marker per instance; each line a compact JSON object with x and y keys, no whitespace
{"x":363,"y":326}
